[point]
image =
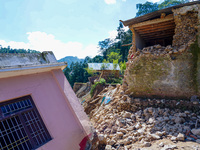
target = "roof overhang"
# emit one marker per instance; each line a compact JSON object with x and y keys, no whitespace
{"x":26,"y":70}
{"x":155,"y":14}
{"x":156,"y":29}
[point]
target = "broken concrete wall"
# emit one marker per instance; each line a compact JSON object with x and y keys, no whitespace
{"x":171,"y":71}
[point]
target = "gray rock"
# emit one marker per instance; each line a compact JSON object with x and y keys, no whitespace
{"x":119,"y":134}
{"x":196,"y":131}
{"x":179,"y":120}
{"x":194,"y":99}
{"x":123,"y":130}
{"x":108,"y":147}
{"x":198,"y":141}
{"x":180,"y":137}
{"x":121,"y":122}
{"x":160,"y":133}
{"x":151,"y":120}
{"x":173,"y":138}
{"x":169,"y":147}
{"x":146,"y":144}
{"x":155,"y":137}
{"x":111,"y":142}
{"x":150,"y":110}
{"x":161,"y":144}
{"x":127,"y":115}
{"x":138,"y":125}
{"x":101,"y":137}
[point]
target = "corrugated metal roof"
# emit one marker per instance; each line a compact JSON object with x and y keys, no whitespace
{"x":155,"y":14}
{"x":98,"y":66}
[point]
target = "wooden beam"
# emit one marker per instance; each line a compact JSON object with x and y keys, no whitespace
{"x":155,"y":30}
{"x":155,"y":21}
{"x":157,"y":33}
{"x":127,"y":44}
{"x":133,"y":39}
{"x":155,"y":25}
{"x":157,"y":37}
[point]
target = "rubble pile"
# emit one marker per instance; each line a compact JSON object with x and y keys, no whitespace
{"x":120,"y":124}
{"x":157,"y":50}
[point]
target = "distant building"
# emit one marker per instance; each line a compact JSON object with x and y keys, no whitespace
{"x":38,"y":108}
{"x":106,"y":69}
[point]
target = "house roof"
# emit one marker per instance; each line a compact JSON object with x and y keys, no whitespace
{"x":27,"y":63}
{"x":155,"y":14}
{"x":98,"y":66}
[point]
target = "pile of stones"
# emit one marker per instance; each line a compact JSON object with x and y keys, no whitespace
{"x":120,"y":124}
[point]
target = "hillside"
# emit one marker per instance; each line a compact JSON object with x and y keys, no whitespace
{"x":70,"y":59}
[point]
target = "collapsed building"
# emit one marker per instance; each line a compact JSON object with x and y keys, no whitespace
{"x":164,"y":59}
{"x":163,"y":65}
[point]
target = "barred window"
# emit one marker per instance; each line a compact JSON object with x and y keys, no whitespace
{"x":21,"y":127}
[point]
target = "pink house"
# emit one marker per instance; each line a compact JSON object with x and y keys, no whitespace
{"x":38,"y":108}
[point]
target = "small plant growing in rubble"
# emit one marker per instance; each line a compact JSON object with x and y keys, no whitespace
{"x":102,"y":81}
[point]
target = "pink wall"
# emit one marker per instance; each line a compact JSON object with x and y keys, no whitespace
{"x":50,"y":92}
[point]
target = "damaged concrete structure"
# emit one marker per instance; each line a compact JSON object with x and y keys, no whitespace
{"x":164,"y":60}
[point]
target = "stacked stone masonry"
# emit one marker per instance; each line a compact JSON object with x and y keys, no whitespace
{"x":171,"y":71}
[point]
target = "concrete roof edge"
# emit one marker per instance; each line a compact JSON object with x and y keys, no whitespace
{"x":59,"y":65}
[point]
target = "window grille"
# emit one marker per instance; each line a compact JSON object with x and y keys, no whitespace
{"x":21,"y":127}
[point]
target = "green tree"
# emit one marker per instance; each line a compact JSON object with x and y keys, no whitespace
{"x":169,"y":3}
{"x":97,"y":59}
{"x":149,"y":7}
{"x":114,"y":56}
{"x":115,"y":63}
{"x":146,"y":8}
{"x":122,"y":66}
{"x":10,"y":50}
{"x":123,"y":38}
{"x":104,"y":46}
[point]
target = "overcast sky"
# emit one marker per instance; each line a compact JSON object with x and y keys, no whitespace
{"x":66,"y":27}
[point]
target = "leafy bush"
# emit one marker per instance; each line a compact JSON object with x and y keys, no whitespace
{"x":122,"y":66}
{"x":114,"y":80}
{"x":90,"y":71}
{"x":102,"y":81}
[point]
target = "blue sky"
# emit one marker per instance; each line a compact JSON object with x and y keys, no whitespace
{"x":66,"y":27}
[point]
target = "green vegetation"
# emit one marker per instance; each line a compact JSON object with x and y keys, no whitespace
{"x":102,"y":81}
{"x":149,"y":7}
{"x":111,"y":51}
{"x":114,"y":80}
{"x":10,"y":50}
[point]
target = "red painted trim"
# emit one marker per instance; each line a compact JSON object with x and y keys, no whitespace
{"x":84,"y":142}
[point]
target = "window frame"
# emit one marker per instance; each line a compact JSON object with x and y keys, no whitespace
{"x":20,"y":115}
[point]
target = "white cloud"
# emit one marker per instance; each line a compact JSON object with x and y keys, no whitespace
{"x":110,"y":1}
{"x":126,"y":28}
{"x":154,"y":1}
{"x":42,"y":41}
{"x":112,"y":34}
